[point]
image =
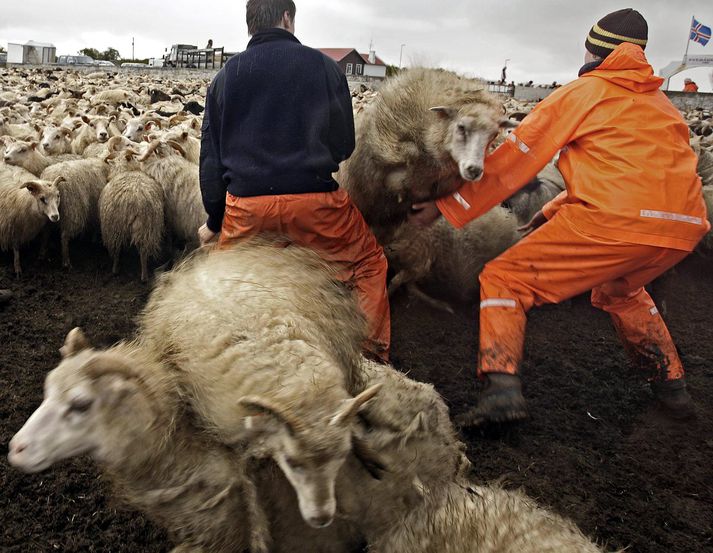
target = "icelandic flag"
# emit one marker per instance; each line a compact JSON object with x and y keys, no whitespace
{"x":700,"y":33}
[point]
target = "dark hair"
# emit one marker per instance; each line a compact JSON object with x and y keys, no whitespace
{"x":261,"y":15}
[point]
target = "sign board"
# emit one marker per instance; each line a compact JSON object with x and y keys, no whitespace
{"x":689,"y":62}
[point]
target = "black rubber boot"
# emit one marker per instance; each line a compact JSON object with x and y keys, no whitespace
{"x":499,"y":401}
{"x":674,"y":398}
{"x":5,"y":296}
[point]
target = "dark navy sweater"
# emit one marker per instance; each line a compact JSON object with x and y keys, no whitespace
{"x":278,"y":120}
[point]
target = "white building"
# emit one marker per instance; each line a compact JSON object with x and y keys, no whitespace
{"x":32,"y":52}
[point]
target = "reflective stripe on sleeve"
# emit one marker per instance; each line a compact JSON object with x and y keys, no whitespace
{"x":665,"y":215}
{"x":524,"y":148}
{"x":461,"y":200}
{"x":498,"y":302}
{"x":654,"y":311}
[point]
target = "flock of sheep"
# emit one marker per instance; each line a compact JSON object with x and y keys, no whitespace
{"x":261,"y":427}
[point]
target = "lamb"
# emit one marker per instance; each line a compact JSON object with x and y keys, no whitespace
{"x":446,"y":258}
{"x":131,"y":211}
{"x":80,"y":189}
{"x":25,"y":208}
{"x":96,"y":129}
{"x":181,"y":188}
{"x":425,"y":132}
{"x":287,"y":350}
{"x":124,"y":408}
{"x":56,"y":140}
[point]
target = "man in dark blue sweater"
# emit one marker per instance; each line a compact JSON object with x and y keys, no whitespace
{"x":278,"y":122}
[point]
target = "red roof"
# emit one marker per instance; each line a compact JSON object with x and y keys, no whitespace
{"x":338,"y":54}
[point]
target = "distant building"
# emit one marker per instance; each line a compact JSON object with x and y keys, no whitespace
{"x":32,"y":52}
{"x":356,"y":66}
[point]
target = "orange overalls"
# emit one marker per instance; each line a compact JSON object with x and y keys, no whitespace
{"x":690,"y":87}
{"x":329,"y":223}
{"x":632,"y":209}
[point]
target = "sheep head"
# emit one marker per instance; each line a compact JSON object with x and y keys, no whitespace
{"x":46,"y":194}
{"x":18,"y":151}
{"x":56,"y":140}
{"x":82,"y":396}
{"x":469,"y":131}
{"x":310,"y":455}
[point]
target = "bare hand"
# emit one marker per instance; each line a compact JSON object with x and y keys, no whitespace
{"x":424,"y":214}
{"x":205,"y":235}
{"x":536,"y":222}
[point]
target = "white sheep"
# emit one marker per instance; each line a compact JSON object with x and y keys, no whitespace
{"x":56,"y":140}
{"x":425,"y":132}
{"x":26,"y":155}
{"x":180,"y":182}
{"x":190,"y":144}
{"x":82,"y":183}
{"x":96,"y":129}
{"x":124,"y":409}
{"x":448,"y":259}
{"x":131,"y":211}
{"x":138,"y":127}
{"x":529,"y":200}
{"x":18,"y":131}
{"x":25,"y":206}
{"x":277,"y":369}
{"x":112,"y":97}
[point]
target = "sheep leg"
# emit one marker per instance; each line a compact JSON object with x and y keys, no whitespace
{"x":16,"y":262}
{"x":144,"y":266}
{"x":433,"y":302}
{"x":396,"y":282}
{"x":45,"y":236}
{"x":115,"y":265}
{"x":66,"y":263}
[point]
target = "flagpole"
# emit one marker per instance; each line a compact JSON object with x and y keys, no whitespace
{"x":693,"y":18}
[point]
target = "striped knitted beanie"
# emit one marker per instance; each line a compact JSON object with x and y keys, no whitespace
{"x":625,"y":25}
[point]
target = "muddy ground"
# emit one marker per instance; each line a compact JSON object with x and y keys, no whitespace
{"x":595,"y":449}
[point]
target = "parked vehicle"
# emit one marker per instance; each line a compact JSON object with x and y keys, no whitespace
{"x":78,"y":59}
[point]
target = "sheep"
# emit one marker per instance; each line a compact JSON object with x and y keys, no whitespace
{"x":446,"y":258}
{"x":56,"y":140}
{"x":425,"y":133}
{"x":181,"y":187}
{"x":20,"y":132}
{"x":525,"y":203}
{"x":25,"y":208}
{"x":137,"y":127}
{"x":27,"y":156}
{"x":190,"y":144}
{"x":131,"y":211}
{"x":278,"y":369}
{"x":112,"y":97}
{"x":481,"y":519}
{"x":83,"y":181}
{"x":707,"y":241}
{"x":96,"y":129}
{"x":124,"y":409}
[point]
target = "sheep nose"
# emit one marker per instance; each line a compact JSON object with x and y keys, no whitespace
{"x":473,"y":172}
{"x":321,"y":521}
{"x":54,"y":218}
{"x":16,"y":448}
{"x":45,"y":145}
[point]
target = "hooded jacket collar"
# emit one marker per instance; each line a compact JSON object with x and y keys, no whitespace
{"x":271,"y":35}
{"x":627,"y":67}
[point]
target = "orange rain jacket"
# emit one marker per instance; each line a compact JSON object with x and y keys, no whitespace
{"x":690,"y":87}
{"x":626,"y":161}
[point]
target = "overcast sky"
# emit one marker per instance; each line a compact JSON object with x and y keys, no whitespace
{"x":543,"y":39}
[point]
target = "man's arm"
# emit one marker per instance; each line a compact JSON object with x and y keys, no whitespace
{"x":341,"y":114}
{"x":213,"y":187}
{"x":548,"y":128}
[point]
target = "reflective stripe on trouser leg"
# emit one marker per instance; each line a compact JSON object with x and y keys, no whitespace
{"x":502,"y":326}
{"x":642,"y":331}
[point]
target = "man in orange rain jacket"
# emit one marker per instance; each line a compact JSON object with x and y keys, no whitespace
{"x":632,"y":210}
{"x":278,"y":122}
{"x":689,"y":86}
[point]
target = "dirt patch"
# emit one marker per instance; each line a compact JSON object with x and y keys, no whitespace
{"x":595,"y":450}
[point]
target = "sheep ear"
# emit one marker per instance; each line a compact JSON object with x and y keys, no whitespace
{"x":265,"y":408}
{"x":184,"y":135}
{"x":59,"y":180}
{"x":508,"y":123}
{"x":33,"y":186}
{"x":33,"y":145}
{"x":444,"y":112}
{"x":351,"y":407}
{"x":85,"y":119}
{"x":75,"y":342}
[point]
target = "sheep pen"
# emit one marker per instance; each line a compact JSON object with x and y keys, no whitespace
{"x":594,"y":451}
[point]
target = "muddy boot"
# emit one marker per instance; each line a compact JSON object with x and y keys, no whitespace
{"x":499,"y":401}
{"x":674,"y":398}
{"x":5,"y":296}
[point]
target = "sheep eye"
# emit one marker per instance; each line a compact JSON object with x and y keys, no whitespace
{"x":80,"y":405}
{"x":293,"y":463}
{"x":43,"y":200}
{"x":461,"y":128}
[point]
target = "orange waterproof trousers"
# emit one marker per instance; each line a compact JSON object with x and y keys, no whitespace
{"x":329,"y":223}
{"x":557,"y":262}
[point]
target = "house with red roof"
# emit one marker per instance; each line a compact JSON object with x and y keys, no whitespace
{"x":356,"y":66}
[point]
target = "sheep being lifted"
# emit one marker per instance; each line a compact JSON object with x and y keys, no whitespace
{"x":427,"y":131}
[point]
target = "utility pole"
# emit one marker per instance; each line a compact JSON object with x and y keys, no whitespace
{"x":133,"y":57}
{"x":401,"y":55}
